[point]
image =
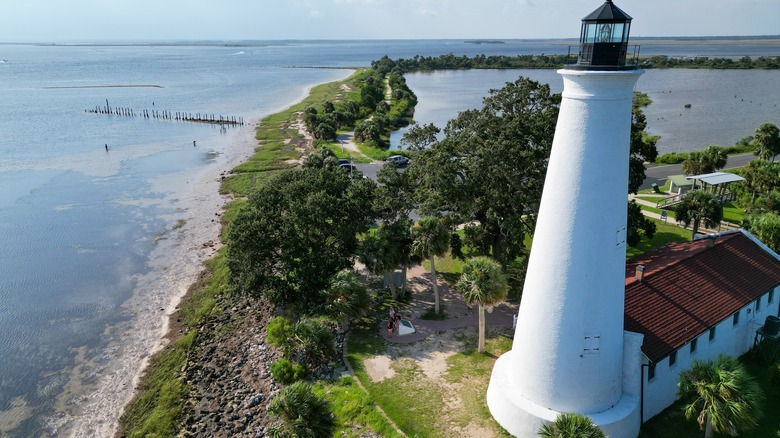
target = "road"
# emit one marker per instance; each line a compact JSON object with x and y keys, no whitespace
{"x":659,"y":174}
{"x":654,"y":174}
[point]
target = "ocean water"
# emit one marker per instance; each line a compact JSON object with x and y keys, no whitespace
{"x":96,"y":245}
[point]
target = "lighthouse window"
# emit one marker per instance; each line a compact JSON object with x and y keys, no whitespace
{"x":712,"y":334}
{"x":771,"y":296}
{"x":758,"y":304}
{"x":590,"y":33}
{"x":651,"y":371}
{"x":735,"y":319}
{"x":693,"y":346}
{"x":673,"y":358}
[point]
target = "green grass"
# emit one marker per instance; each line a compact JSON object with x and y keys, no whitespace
{"x":344,"y":153}
{"x":421,"y":414}
{"x":354,"y":409}
{"x":671,"y":421}
{"x":664,"y":189}
{"x":475,"y":368}
{"x":278,"y":150}
{"x":665,"y":233}
{"x":670,"y":213}
{"x":413,"y":415}
{"x":652,"y":199}
{"x":733,"y":214}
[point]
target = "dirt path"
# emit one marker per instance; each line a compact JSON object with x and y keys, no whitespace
{"x":346,"y":140}
{"x":431,"y":351}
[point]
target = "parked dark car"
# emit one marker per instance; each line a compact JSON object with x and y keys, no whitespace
{"x":353,"y":171}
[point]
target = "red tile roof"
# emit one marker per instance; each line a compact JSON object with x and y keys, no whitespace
{"x":689,"y":287}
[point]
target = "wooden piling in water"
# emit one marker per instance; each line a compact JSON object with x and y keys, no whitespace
{"x":217,"y":119}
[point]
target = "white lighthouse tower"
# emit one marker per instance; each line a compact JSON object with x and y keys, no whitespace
{"x":570,"y":352}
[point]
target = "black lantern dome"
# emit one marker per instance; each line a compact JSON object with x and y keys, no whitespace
{"x":604,"y":39}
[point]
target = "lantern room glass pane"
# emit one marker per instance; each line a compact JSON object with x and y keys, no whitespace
{"x":590,"y":33}
{"x":617,"y":32}
{"x":604,"y":33}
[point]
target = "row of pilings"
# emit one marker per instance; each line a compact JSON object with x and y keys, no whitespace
{"x":167,"y":115}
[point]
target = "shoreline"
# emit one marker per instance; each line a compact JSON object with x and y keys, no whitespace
{"x":176,"y":265}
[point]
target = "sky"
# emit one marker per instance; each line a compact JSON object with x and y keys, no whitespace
{"x":126,"y":20}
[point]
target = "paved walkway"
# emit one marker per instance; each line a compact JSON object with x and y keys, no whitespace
{"x":420,"y":282}
{"x":501,"y":316}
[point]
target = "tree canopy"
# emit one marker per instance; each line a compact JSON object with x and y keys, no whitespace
{"x":431,"y":238}
{"x":699,"y":207}
{"x":767,"y":140}
{"x":489,"y":169}
{"x":296,"y":232}
{"x":765,"y":226}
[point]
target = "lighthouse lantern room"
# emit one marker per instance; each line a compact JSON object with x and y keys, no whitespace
{"x":604,"y":39}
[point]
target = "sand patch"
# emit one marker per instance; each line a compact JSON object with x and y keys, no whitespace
{"x":473,"y":430}
{"x":378,"y":368}
{"x":435,"y":365}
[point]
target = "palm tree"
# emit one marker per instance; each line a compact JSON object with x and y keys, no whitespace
{"x":571,"y":425}
{"x":377,"y":255}
{"x":482,"y":282}
{"x":698,"y":207}
{"x":301,"y":412}
{"x":717,"y":156}
{"x":431,"y":238}
{"x":348,"y":298}
{"x":767,"y":140}
{"x":756,"y":175}
{"x":721,"y":395}
{"x":697,"y":163}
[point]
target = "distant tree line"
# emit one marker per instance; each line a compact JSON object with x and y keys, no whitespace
{"x":542,"y":61}
{"x":746,"y":62}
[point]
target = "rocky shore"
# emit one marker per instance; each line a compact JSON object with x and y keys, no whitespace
{"x":228,"y":373}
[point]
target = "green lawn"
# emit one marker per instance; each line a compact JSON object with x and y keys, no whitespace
{"x":278,"y":149}
{"x":664,"y":189}
{"x":355,"y":411}
{"x":431,"y":411}
{"x":665,"y":233}
{"x":733,"y":214}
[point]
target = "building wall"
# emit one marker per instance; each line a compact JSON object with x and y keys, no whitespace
{"x":730,"y":339}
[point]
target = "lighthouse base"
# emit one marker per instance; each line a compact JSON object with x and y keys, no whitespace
{"x":522,"y":417}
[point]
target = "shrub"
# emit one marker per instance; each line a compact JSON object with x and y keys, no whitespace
{"x":300,"y":413}
{"x":279,"y":333}
{"x":314,"y":343}
{"x":672,"y":158}
{"x":309,"y":342}
{"x":286,"y":372}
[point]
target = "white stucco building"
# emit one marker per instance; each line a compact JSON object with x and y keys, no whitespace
{"x":697,"y":300}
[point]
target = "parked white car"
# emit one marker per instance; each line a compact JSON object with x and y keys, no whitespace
{"x":400,"y":160}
